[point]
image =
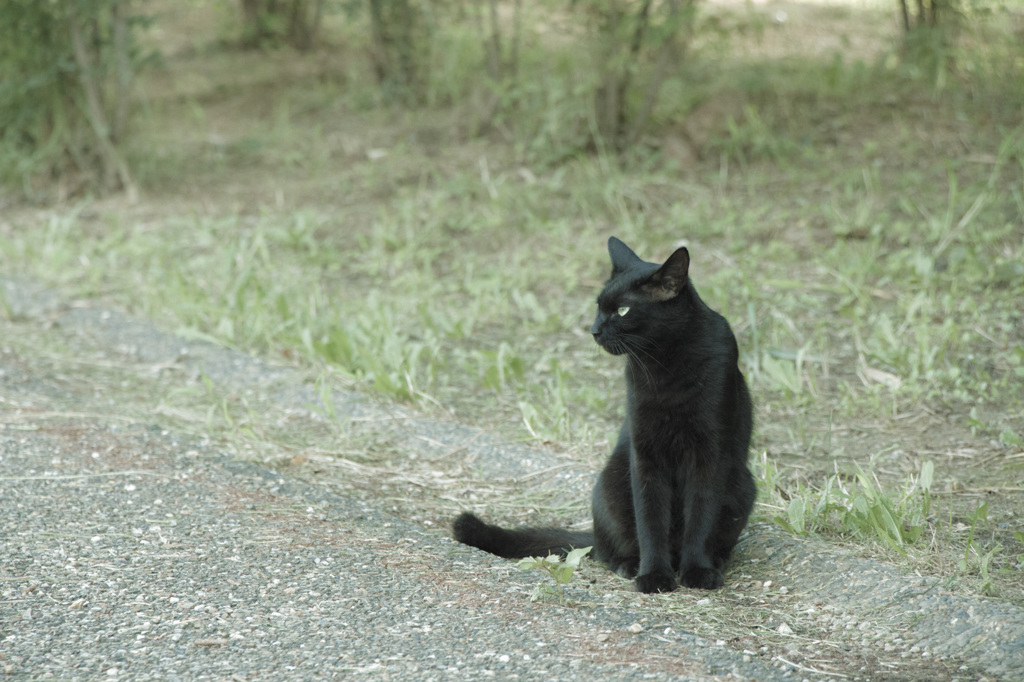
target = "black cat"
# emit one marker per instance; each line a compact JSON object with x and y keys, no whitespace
{"x":676,"y":492}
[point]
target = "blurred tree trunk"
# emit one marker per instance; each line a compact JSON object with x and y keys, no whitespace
{"x":927,"y":14}
{"x":930,"y":35}
{"x":629,"y":37}
{"x":122,"y":67}
{"x":502,"y":56}
{"x":493,"y":44}
{"x":114,"y":170}
{"x":67,"y":74}
{"x":304,"y":23}
{"x":670,"y":53}
{"x":400,"y":48}
{"x":618,"y":61}
{"x":294,"y":22}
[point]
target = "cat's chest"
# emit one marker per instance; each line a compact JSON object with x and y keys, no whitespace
{"x":670,"y":421}
{"x":670,"y":394}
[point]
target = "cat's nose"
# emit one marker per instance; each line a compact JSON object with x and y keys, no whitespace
{"x":595,"y":329}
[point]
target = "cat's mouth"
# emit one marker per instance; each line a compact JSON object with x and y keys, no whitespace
{"x":612,"y":347}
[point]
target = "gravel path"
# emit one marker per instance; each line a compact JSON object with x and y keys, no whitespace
{"x":128,"y":552}
{"x":129,"y":549}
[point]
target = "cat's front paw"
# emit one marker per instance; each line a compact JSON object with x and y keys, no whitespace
{"x":658,"y":581}
{"x":702,"y":578}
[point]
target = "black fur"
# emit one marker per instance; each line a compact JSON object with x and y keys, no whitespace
{"x":676,"y":493}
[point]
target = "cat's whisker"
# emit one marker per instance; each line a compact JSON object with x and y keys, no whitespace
{"x":646,"y":379}
{"x":629,"y":342}
{"x":638,"y":362}
{"x":640,"y":340}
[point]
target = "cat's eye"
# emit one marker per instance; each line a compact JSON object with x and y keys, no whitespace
{"x":623,"y":310}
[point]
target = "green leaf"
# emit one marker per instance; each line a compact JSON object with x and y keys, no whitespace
{"x":575,"y":556}
{"x":540,"y":591}
{"x":890,"y":525}
{"x":562,"y":573}
{"x":796,"y":515}
{"x":784,"y":523}
{"x":783,"y":374}
{"x":492,"y":378}
{"x":529,"y":563}
{"x":191,"y":333}
{"x":980,"y":514}
{"x":927,"y":475}
{"x":1010,"y":437}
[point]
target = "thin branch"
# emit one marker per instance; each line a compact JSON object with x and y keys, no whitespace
{"x":494,"y":43}
{"x":72,"y":477}
{"x":124,"y":68}
{"x":314,"y":26}
{"x":643,"y":20}
{"x":514,"y":51}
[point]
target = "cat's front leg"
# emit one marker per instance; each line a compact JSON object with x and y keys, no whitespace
{"x":701,"y":505}
{"x":652,"y":504}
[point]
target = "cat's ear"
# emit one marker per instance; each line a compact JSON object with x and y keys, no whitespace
{"x":622,"y":256}
{"x":670,"y":279}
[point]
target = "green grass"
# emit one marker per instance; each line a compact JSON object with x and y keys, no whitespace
{"x":859,"y":228}
{"x":853,"y":503}
{"x":415,"y":305}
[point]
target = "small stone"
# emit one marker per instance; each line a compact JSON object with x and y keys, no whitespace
{"x":212,"y":641}
{"x":636,"y":628}
{"x":784,"y":629}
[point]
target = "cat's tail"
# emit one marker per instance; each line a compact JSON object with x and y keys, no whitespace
{"x":518,"y":543}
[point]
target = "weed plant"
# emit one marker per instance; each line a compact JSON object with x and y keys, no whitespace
{"x":559,"y":570}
